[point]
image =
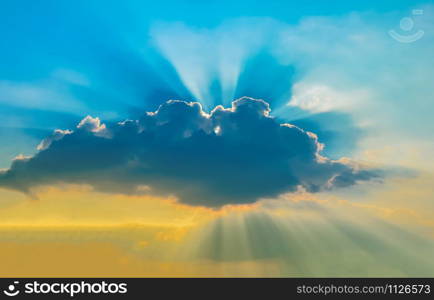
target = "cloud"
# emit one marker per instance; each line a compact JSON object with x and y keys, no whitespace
{"x":230,"y":156}
{"x":71,"y":76}
{"x":43,"y":95}
{"x":350,"y":64}
{"x":346,"y":64}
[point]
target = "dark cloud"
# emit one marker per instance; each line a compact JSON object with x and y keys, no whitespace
{"x":337,"y":130}
{"x":230,"y":156}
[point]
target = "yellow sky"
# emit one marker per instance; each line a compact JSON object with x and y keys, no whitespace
{"x":73,"y":231}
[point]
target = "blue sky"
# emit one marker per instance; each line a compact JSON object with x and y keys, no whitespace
{"x":301,"y":121}
{"x":331,"y":69}
{"x":61,"y":61}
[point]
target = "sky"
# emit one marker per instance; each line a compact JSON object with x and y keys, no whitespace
{"x":217,"y":138}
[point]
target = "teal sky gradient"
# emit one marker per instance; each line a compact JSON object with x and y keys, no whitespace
{"x":63,"y":60}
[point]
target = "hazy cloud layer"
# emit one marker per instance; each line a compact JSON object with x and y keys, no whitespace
{"x":230,"y":156}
